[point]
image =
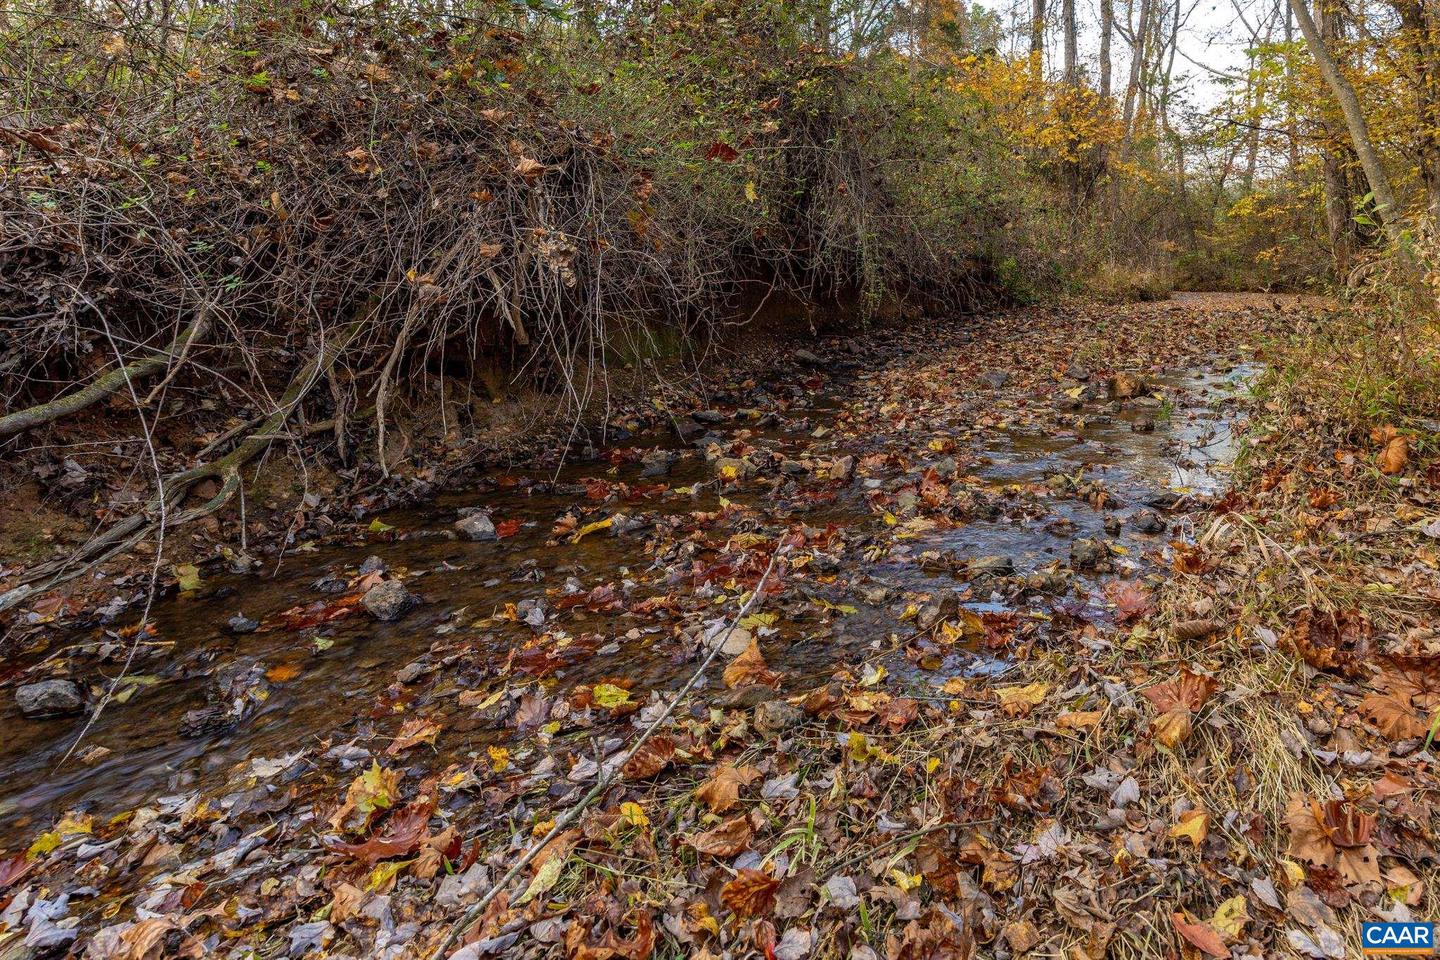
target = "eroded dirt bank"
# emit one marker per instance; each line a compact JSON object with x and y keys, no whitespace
{"x":928,"y":737}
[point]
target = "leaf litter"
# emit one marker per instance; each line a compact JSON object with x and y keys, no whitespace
{"x":998,"y":700}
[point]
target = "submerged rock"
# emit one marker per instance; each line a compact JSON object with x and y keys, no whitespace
{"x":1148,"y":521}
{"x":242,"y":624}
{"x":774,"y":717}
{"x":1088,"y":554}
{"x":657,"y":463}
{"x":388,"y":600}
{"x":50,"y":698}
{"x":477,"y":527}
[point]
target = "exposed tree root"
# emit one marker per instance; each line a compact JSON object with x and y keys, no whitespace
{"x":104,"y":386}
{"x":173,"y":489}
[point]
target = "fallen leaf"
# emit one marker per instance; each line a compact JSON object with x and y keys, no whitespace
{"x":1019,"y":701}
{"x":1200,"y":935}
{"x":749,"y":667}
{"x":722,"y":791}
{"x":725,"y":840}
{"x":413,"y":732}
{"x":653,"y":756}
{"x":1394,"y":456}
{"x":1193,"y":825}
{"x":751,"y":893}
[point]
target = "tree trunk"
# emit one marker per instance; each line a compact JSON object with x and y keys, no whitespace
{"x":1107,"y":28}
{"x":1385,"y":205}
{"x":1072,"y":58}
{"x":1037,"y":35}
{"x":1338,"y":224}
{"x":1420,"y":29}
{"x":1137,"y":63}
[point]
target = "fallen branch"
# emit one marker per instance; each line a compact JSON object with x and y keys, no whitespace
{"x":104,"y":386}
{"x":129,"y":531}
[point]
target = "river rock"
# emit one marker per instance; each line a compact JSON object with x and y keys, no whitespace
{"x":842,"y":468}
{"x":991,"y":566}
{"x":1087,"y":554}
{"x":808,"y":358}
{"x":373,"y":564}
{"x":1148,"y":521}
{"x":50,"y":698}
{"x":242,"y":624}
{"x":1078,"y":371}
{"x":774,"y":717}
{"x":731,"y":468}
{"x":708,"y":416}
{"x":1123,"y":386}
{"x":388,"y":600}
{"x":477,"y":527}
{"x":995,"y":379}
{"x":657,"y":463}
{"x":732,"y":645}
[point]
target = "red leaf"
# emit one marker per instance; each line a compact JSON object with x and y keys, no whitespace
{"x":722,"y":152}
{"x":1200,"y":935}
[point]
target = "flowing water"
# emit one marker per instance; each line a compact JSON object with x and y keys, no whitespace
{"x":333,"y":681}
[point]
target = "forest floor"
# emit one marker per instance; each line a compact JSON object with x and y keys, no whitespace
{"x":1046,"y":635}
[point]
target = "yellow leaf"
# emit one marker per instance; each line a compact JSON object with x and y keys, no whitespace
{"x":499,"y":758}
{"x":590,"y":528}
{"x":1018,"y":701}
{"x":633,"y":814}
{"x":384,"y":874}
{"x":750,"y":191}
{"x":609,"y":696}
{"x":1193,"y":825}
{"x":1230,"y":918}
{"x":377,"y":527}
{"x":905,"y":881}
{"x":44,"y":844}
{"x":545,"y":878}
{"x":188,"y":576}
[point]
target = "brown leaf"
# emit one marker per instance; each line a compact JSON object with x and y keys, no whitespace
{"x":751,"y":893}
{"x":415,"y":731}
{"x":1130,"y":597}
{"x":1393,"y":458}
{"x":653,"y":756}
{"x":1200,"y":935}
{"x":1172,"y":727}
{"x":399,"y":837}
{"x":726,"y":840}
{"x":1327,"y":641}
{"x":750,"y":667}
{"x":722,"y":791}
{"x":1393,"y":715}
{"x":1189,"y":690}
{"x":529,"y":169}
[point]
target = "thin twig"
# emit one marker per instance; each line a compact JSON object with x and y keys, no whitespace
{"x":608,"y":777}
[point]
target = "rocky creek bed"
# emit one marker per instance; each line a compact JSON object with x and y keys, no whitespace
{"x":339,"y":753}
